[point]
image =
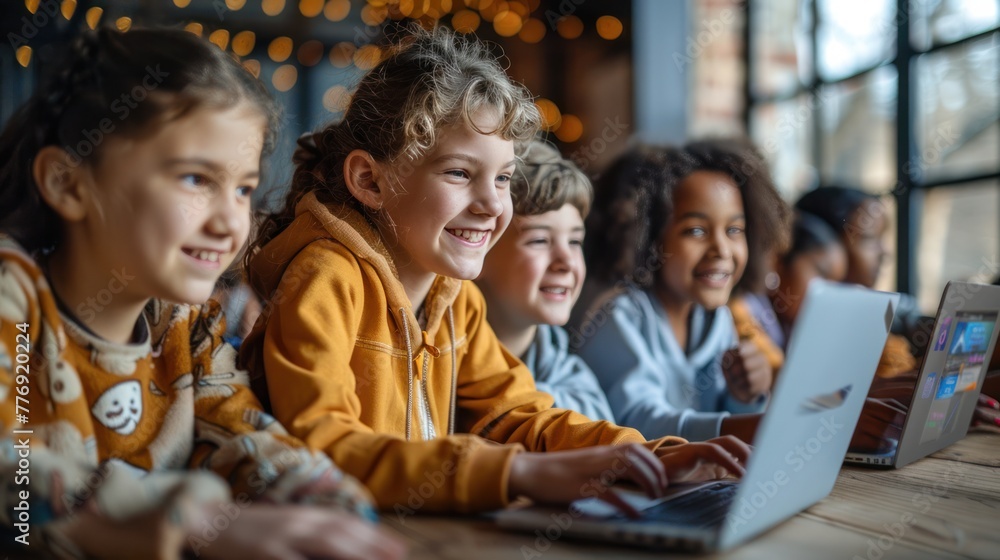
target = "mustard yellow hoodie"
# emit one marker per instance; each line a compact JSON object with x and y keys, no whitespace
{"x":341,"y":360}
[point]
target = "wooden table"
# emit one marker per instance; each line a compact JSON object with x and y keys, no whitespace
{"x":943,"y":506}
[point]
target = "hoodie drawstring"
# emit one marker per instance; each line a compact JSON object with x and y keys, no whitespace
{"x":409,"y":371}
{"x":454,"y":372}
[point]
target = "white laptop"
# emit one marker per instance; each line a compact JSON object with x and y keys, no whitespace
{"x":799,"y":446}
{"x":951,"y":376}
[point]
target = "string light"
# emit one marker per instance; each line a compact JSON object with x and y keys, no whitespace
{"x":551,"y":117}
{"x":367,"y":57}
{"x":337,"y":10}
{"x":570,"y":27}
{"x":32,"y":5}
{"x":310,"y":53}
{"x":93,"y":17}
{"x":123,"y":24}
{"x":570,"y":129}
{"x":465,"y":21}
{"x":507,"y":24}
{"x":253,"y":66}
{"x":23,"y":55}
{"x":236,"y":5}
{"x":284,"y":77}
{"x":532,"y":31}
{"x":67,"y":9}
{"x":220,"y":38}
{"x":609,"y":27}
{"x":182,"y":3}
{"x":243,"y":42}
{"x":310,"y":8}
{"x":342,"y":55}
{"x":280,"y":49}
{"x":272,"y":7}
{"x":194,"y":27}
{"x":336,"y":99}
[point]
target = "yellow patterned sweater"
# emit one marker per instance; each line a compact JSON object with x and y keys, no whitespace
{"x":128,"y":427}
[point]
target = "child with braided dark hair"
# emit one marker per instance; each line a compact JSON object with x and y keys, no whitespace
{"x":125,"y":189}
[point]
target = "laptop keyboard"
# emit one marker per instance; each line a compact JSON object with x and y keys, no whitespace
{"x":701,"y":508}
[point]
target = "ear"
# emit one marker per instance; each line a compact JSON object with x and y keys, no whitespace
{"x":57,"y":176}
{"x":362,"y":177}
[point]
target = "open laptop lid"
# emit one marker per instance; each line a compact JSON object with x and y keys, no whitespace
{"x":953,"y":371}
{"x":802,"y":439}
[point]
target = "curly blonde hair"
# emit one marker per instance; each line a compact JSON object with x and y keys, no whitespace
{"x":429,"y":80}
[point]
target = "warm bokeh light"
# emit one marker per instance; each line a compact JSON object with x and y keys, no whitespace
{"x":367,"y":57}
{"x":284,"y":77}
{"x":235,"y":5}
{"x":465,"y":21}
{"x":94,"y":17}
{"x":195,"y":27}
{"x":253,"y":66}
{"x":337,"y":10}
{"x":570,"y":27}
{"x":182,"y":3}
{"x":570,"y":129}
{"x":342,"y":55}
{"x":32,"y":5}
{"x":23,"y":55}
{"x":310,"y":8}
{"x":220,"y":37}
{"x":243,"y":42}
{"x":411,"y":8}
{"x":310,"y":53}
{"x":520,"y":8}
{"x":609,"y":27}
{"x":272,"y":7}
{"x":336,"y":99}
{"x":550,"y":113}
{"x":532,"y":31}
{"x":123,"y":24}
{"x":280,"y":49}
{"x":489,"y":11}
{"x":67,"y":8}
{"x":507,"y":24}
{"x":374,"y":15}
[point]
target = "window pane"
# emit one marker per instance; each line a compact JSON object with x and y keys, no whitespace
{"x":780,"y":47}
{"x":959,"y":106}
{"x":858,"y":125}
{"x":959,"y":238}
{"x":942,"y":21}
{"x":784,"y":133}
{"x":887,"y":274}
{"x":854,"y":35}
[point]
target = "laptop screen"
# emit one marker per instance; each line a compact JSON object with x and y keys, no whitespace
{"x":964,"y":339}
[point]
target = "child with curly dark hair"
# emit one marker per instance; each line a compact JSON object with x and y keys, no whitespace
{"x":682,"y":229}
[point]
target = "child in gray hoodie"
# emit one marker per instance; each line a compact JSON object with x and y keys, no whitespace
{"x":533,"y":276}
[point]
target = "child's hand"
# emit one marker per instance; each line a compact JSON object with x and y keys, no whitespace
{"x":706,"y":460}
{"x":747,"y":371}
{"x":560,"y":477}
{"x":265,"y":531}
{"x":987,"y":412}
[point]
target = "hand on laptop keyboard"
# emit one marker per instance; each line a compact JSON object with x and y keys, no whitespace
{"x":706,"y":460}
